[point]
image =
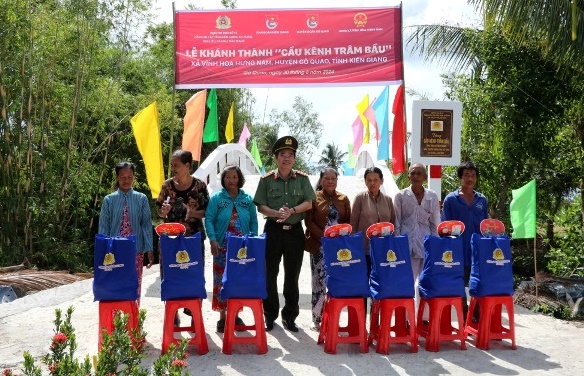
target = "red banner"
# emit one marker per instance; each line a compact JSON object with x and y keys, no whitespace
{"x":246,"y":48}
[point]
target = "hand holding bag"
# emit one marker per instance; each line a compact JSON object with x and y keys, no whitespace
{"x":245,"y":268}
{"x":183,"y":269}
{"x":114,"y":268}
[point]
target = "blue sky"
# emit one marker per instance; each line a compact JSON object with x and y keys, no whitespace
{"x":336,"y":105}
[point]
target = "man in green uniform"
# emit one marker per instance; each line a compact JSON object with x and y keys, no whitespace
{"x":283,"y":196}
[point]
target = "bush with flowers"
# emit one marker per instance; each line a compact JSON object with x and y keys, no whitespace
{"x":121,"y":353}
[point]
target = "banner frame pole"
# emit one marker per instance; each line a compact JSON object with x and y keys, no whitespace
{"x":173,"y":99}
{"x":535,"y":269}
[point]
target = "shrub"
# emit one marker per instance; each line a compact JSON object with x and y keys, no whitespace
{"x":121,"y":352}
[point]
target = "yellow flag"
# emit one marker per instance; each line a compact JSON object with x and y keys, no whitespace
{"x":147,"y":134}
{"x":361,"y":107}
{"x":229,"y":127}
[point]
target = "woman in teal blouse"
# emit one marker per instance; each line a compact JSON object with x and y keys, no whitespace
{"x":229,"y":210}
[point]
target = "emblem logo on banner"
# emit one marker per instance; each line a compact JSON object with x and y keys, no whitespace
{"x":223,"y":22}
{"x":271,"y":22}
{"x":360,"y":19}
{"x":312,"y":20}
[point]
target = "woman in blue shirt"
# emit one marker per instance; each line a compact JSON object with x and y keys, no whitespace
{"x":229,"y":210}
{"x":468,"y":206}
{"x":126,"y":212}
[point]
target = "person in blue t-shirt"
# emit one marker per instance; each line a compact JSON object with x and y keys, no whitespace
{"x":470,"y":207}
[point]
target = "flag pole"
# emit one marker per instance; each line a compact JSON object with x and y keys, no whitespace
{"x":173,"y":118}
{"x":535,"y":269}
{"x":401,"y":14}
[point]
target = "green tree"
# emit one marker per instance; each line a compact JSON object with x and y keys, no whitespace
{"x":302,"y":123}
{"x":332,"y":156}
{"x":554,"y":28}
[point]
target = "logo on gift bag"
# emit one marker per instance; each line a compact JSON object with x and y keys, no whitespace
{"x":447,"y":256}
{"x":447,"y":260}
{"x":391,"y":257}
{"x":109,"y":263}
{"x":344,"y":255}
{"x":182,"y":257}
{"x":109,"y":259}
{"x":498,"y":257}
{"x":183,"y":260}
{"x":242,"y":257}
{"x":345,"y":258}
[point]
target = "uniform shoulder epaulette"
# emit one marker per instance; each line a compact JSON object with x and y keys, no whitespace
{"x":301,"y":173}
{"x":269,"y":174}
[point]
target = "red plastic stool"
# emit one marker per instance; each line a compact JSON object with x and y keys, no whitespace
{"x":107,"y":312}
{"x":439,"y":327}
{"x":229,"y":336}
{"x":380,"y":328}
{"x":330,"y":329}
{"x":490,"y":326}
{"x":199,"y":339}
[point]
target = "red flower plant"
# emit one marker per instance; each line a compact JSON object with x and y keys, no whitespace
{"x":60,"y":337}
{"x":179,"y":363}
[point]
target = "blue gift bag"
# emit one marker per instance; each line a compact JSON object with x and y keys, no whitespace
{"x":114,"y":268}
{"x":346,"y":267}
{"x":182,"y":266}
{"x":491,"y":269}
{"x":443,"y":271}
{"x":245,"y":268}
{"x":391,"y":268}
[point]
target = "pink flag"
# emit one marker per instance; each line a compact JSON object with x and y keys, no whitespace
{"x":357,"y":135}
{"x":244,"y":136}
{"x":370,"y":115}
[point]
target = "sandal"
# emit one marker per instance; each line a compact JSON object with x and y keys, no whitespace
{"x":221,"y":326}
{"x":315,"y":327}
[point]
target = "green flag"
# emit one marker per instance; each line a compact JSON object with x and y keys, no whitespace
{"x":352,"y":158}
{"x":211,"y":131}
{"x":522,"y":210}
{"x":255,"y":153}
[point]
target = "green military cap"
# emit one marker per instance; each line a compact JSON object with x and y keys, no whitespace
{"x":286,"y":142}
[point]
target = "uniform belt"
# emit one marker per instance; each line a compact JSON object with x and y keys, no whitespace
{"x":284,"y":226}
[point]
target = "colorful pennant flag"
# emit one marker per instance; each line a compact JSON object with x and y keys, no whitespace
{"x":361,"y":107}
{"x":255,"y":153}
{"x":370,"y":115}
{"x":229,"y":126}
{"x":211,"y":131}
{"x":193,"y":124}
{"x":146,"y":131}
{"x":398,"y":135}
{"x":523,"y":211}
{"x":244,"y":136}
{"x":357,"y":135}
{"x":381,"y":108}
{"x":352,"y":158}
